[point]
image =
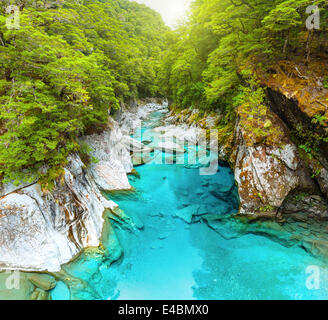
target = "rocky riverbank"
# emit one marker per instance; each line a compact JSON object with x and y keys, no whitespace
{"x":175,"y":251}
{"x":282,"y":180}
{"x":279,"y":195}
{"x":42,"y":230}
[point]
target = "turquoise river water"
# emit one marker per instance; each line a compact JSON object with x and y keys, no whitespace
{"x":171,"y":259}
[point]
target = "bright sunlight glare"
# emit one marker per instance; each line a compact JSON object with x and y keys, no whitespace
{"x":171,"y":10}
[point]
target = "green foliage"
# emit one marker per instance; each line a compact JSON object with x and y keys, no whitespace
{"x":267,"y":208}
{"x":309,"y":141}
{"x":300,"y":196}
{"x":62,"y":72}
{"x":223,"y":37}
{"x":316,"y":173}
{"x":325,"y":82}
{"x":85,"y":151}
{"x":319,"y":119}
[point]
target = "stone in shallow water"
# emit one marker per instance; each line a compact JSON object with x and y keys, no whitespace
{"x":184,"y":204}
{"x":43,"y":281}
{"x":39,"y":294}
{"x":204,"y":196}
{"x":139,"y":159}
{"x":316,"y":247}
{"x":220,"y":191}
{"x":226,"y":226}
{"x":205,"y":183}
{"x":137,"y":221}
{"x":232,"y":227}
{"x":187,"y":213}
{"x":156,"y":214}
{"x":192,"y":211}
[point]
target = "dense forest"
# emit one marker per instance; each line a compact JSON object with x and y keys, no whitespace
{"x":63,"y":70}
{"x":72,"y":62}
{"x":214,"y":51}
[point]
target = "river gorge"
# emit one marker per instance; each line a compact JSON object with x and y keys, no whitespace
{"x":142,"y":160}
{"x":178,"y":252}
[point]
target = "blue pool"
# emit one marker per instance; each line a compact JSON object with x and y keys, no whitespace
{"x":168,"y":258}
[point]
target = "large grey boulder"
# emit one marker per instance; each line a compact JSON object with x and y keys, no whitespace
{"x":40,"y":231}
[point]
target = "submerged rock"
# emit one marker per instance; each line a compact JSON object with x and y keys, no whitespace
{"x":78,"y":288}
{"x":221,"y":191}
{"x":43,"y":281}
{"x":15,"y":285}
{"x":39,"y":294}
{"x":192,"y":211}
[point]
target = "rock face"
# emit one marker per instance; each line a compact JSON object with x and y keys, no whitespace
{"x":290,"y":110}
{"x":135,"y":146}
{"x":40,"y":231}
{"x":266,"y":174}
{"x":314,"y":206}
{"x":297,"y":95}
{"x":267,"y":164}
{"x":268,"y":170}
{"x":182,"y":133}
{"x":113,"y":159}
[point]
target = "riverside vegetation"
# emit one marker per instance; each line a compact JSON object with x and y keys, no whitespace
{"x":70,"y":63}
